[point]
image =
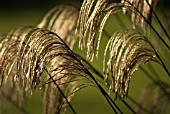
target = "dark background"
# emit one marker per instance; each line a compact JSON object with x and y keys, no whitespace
{"x":19,"y":4}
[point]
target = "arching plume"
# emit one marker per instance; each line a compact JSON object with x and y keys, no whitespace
{"x":125,"y":52}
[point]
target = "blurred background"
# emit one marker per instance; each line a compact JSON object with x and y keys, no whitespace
{"x":16,"y":13}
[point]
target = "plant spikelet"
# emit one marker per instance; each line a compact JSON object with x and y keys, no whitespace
{"x":32,"y":57}
{"x":62,"y":21}
{"x":89,"y":20}
{"x":143,"y":8}
{"x":128,"y":50}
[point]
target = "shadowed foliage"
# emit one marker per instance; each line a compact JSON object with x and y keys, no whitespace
{"x":159,"y":102}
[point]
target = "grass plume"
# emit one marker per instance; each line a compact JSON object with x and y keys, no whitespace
{"x":42,"y":57}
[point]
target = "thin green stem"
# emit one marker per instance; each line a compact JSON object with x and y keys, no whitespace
{"x":100,"y":88}
{"x":122,"y":25}
{"x":101,"y":76}
{"x":151,"y":68}
{"x":159,"y":58}
{"x":150,"y":25}
{"x":109,"y":100}
{"x":158,"y":19}
{"x":131,"y":109}
{"x":162,"y":63}
{"x":137,"y":104}
{"x":61,"y":91}
{"x":154,"y":81}
{"x":90,"y":66}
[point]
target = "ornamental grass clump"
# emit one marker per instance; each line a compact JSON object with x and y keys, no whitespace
{"x":43,"y":57}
